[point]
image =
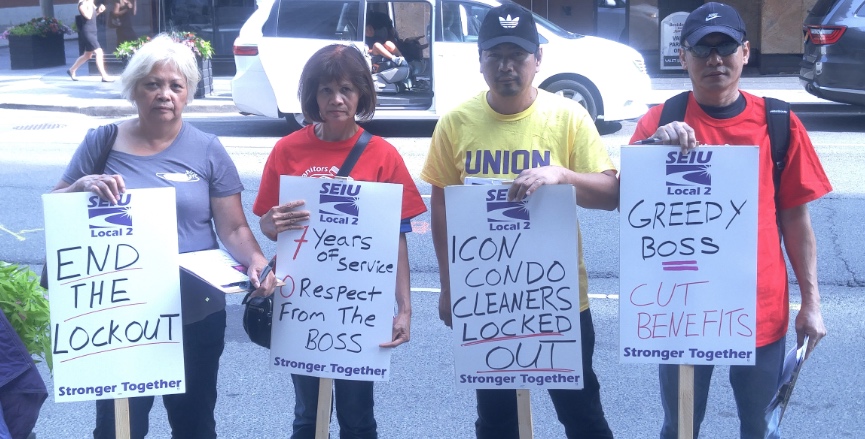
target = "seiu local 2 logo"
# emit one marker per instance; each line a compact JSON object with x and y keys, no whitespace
{"x":337,"y":203}
{"x":108,"y":219}
{"x":505,"y":215}
{"x":689,"y":174}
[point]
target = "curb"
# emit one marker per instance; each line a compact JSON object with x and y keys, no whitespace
{"x":230,"y":108}
{"x":115,"y":111}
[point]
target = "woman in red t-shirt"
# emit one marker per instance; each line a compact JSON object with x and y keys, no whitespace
{"x":335,"y":87}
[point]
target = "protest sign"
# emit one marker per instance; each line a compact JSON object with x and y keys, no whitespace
{"x":514,"y":288}
{"x":113,"y":282}
{"x":338,"y":301}
{"x":688,"y":243}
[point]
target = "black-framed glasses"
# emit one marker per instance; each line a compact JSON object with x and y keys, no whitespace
{"x":703,"y":51}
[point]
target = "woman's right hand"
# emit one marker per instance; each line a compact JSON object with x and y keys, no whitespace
{"x":108,"y":187}
{"x":283,"y":217}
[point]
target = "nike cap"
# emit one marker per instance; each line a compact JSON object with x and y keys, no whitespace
{"x":509,"y":23}
{"x":712,"y":18}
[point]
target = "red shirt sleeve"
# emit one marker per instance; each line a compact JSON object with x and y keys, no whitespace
{"x":803,"y":179}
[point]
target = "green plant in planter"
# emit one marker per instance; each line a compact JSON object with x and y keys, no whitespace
{"x":24,"y":303}
{"x":41,"y":26}
{"x":199,"y":46}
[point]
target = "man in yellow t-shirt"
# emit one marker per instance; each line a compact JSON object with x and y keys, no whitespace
{"x":516,"y":131}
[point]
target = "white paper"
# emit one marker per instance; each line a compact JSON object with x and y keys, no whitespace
{"x":114,"y":287}
{"x":216,"y":267}
{"x":339,"y":297}
{"x":688,"y":243}
{"x":514,"y":285}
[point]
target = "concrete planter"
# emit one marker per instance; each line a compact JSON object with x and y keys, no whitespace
{"x":35,"y":52}
{"x":205,"y":86}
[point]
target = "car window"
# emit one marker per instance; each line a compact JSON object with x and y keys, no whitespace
{"x":822,"y":7}
{"x":461,"y":21}
{"x":329,"y":20}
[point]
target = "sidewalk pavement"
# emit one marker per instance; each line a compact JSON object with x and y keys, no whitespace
{"x":50,"y":89}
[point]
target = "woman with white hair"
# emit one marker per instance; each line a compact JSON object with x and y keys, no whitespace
{"x":158,"y":149}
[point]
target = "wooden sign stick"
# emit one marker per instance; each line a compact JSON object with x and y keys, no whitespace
{"x":322,"y":415}
{"x":686,"y":401}
{"x":121,"y":418}
{"x":524,"y":413}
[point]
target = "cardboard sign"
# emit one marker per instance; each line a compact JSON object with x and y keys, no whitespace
{"x":113,"y":282}
{"x":339,"y":297}
{"x":688,"y":242}
{"x":514,"y":284}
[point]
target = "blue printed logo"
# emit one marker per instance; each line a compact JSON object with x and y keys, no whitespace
{"x":506,"y":215}
{"x":106,"y":219}
{"x":689,"y":174}
{"x":337,"y":203}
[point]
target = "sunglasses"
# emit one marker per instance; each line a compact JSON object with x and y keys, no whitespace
{"x":703,"y":51}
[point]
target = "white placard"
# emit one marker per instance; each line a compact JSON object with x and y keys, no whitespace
{"x":515,"y":297}
{"x":114,"y":287}
{"x":688,"y":247}
{"x":339,"y":297}
{"x":671,"y":33}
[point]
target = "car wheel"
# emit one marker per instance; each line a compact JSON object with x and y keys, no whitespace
{"x":575,"y":91}
{"x":295,"y":121}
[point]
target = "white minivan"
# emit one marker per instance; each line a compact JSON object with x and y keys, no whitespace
{"x":438,"y":38}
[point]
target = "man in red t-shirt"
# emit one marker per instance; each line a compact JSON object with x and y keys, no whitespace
{"x":714,"y":51}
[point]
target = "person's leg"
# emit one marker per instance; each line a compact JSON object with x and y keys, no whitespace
{"x":380,"y":50}
{"x":190,"y":414}
{"x":668,"y":375}
{"x":754,"y":387}
{"x":139,"y":412}
{"x":497,"y":414}
{"x":78,"y":62}
{"x":354,"y":409}
{"x":100,"y":63}
{"x":305,"y":406}
{"x":391,"y":47}
{"x":580,"y":411}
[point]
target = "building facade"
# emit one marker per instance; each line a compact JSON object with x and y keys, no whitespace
{"x":774,"y":26}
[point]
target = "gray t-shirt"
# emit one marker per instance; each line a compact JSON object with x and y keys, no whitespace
{"x":198,"y":167}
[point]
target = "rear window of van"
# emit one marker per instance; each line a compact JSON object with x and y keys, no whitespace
{"x":328,"y":20}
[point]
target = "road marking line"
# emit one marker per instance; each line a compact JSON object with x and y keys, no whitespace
{"x":17,"y":236}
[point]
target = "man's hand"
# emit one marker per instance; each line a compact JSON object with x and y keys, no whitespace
{"x":809,"y":322}
{"x":445,"y":307}
{"x":531,"y":179}
{"x":677,"y":133}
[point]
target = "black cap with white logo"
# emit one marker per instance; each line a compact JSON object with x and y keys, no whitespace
{"x":710,"y":18}
{"x":509,"y":23}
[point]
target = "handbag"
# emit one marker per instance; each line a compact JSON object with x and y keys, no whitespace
{"x":114,"y":21}
{"x":109,"y":133}
{"x":258,"y":311}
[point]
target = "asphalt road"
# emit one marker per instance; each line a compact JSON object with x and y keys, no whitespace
{"x":421,"y":401}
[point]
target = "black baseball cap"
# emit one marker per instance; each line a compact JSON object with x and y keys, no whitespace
{"x":710,"y":18}
{"x":509,"y":23}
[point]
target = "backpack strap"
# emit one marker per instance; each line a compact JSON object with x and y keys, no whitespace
{"x":674,"y":109}
{"x":778,"y":122}
{"x":778,"y":126}
{"x":354,"y":154}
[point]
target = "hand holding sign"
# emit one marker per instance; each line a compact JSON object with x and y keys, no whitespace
{"x":286,"y":216}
